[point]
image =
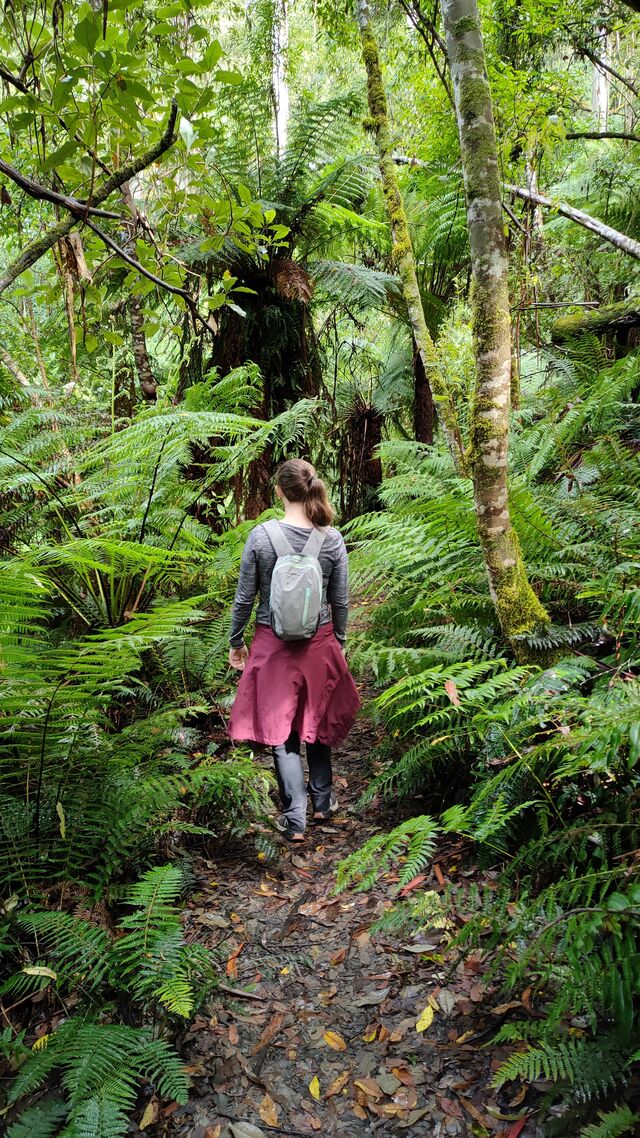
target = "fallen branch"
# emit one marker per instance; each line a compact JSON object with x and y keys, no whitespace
{"x":611,"y":318}
{"x":42,"y":245}
{"x":613,"y":236}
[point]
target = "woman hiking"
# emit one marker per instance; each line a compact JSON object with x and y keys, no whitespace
{"x":295,"y":685}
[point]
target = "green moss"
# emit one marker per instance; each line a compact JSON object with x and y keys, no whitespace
{"x":465,"y":54}
{"x":466,"y":24}
{"x":474,"y":97}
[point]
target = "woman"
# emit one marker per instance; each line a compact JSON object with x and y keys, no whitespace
{"x":294,"y":691}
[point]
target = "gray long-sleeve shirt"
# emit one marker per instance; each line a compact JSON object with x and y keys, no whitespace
{"x":256,"y":567}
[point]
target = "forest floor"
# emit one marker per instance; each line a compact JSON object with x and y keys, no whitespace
{"x":326,"y":1041}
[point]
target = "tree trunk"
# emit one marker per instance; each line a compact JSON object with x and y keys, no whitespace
{"x":146,"y":378}
{"x":517,"y":606}
{"x":423,"y":413}
{"x":402,"y":246}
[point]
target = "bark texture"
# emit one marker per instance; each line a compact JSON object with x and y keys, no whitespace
{"x":402,"y":245}
{"x":517,"y":606}
{"x":146,"y":378}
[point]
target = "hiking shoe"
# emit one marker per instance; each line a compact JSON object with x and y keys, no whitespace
{"x":333,"y":807}
{"x":284,"y":827}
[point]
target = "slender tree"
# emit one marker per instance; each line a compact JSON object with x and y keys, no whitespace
{"x":518,"y":608}
{"x":402,"y":245}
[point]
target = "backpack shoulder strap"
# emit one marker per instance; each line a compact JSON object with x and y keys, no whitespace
{"x":314,"y":542}
{"x":276,"y":537}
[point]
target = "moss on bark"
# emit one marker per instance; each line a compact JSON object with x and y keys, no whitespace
{"x":402,"y":246}
{"x":518,"y":608}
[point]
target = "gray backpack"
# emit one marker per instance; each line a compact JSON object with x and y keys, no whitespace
{"x":295,"y":601}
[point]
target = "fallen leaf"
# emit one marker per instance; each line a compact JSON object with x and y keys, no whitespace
{"x":439,"y":874}
{"x":413,"y":884}
{"x":269,"y":1033}
{"x":151,"y":1111}
{"x":426,"y":1019}
{"x":299,"y":862}
{"x":516,"y":1128}
{"x":472,"y":1109}
{"x":234,"y":1035}
{"x":406,"y":1098}
{"x":338,"y":1084}
{"x":447,"y":1001}
{"x":404,"y":1075}
{"x":419,"y":948}
{"x":358,"y":1110}
{"x":401,"y":1030}
{"x":314,"y":1088}
{"x":39,"y":970}
{"x":268,"y":1111}
{"x":338,"y":956}
{"x":370,"y":1032}
{"x":246,"y":1130}
{"x":334,"y":1041}
{"x":369,"y":998}
{"x":369,"y":1086}
{"x":232,"y":962}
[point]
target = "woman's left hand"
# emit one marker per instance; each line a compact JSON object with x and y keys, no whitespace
{"x":238,"y":657}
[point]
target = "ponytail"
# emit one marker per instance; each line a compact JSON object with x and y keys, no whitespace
{"x":299,"y":483}
{"x":316,"y":503}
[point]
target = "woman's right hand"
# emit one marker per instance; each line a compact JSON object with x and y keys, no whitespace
{"x":238,"y":657}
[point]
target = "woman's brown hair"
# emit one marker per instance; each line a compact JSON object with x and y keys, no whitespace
{"x":299,"y":483}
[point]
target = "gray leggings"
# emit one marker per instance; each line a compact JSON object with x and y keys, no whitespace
{"x":293,"y":792}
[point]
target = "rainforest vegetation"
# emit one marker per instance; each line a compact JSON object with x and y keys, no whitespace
{"x":401,"y":239}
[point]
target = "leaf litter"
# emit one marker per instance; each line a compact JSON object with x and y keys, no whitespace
{"x":331,"y":1026}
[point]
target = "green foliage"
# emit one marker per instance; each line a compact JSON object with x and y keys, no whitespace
{"x":414,"y":838}
{"x":537,"y":765}
{"x":612,"y":1124}
{"x":146,"y":959}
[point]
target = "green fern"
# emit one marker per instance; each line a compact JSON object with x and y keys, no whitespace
{"x":613,"y":1123}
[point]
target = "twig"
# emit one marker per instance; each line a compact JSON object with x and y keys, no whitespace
{"x":239,"y":993}
{"x":135,"y":264}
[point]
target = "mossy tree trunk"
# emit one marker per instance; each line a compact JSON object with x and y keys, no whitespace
{"x":517,"y":606}
{"x":402,"y":245}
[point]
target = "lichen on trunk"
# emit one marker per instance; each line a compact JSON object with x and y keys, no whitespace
{"x":402,"y":245}
{"x":518,"y":608}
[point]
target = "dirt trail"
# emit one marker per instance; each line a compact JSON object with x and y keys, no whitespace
{"x":327,"y":1042}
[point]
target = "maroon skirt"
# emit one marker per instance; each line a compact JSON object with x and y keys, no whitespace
{"x":303,"y":686}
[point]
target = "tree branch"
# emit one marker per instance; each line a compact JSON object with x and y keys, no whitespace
{"x":597,"y":62}
{"x":129,"y":260}
{"x":39,"y":247}
{"x":613,"y":236}
{"x":43,"y":193}
{"x":604,"y":134}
